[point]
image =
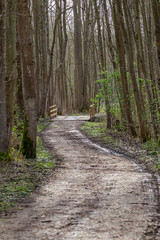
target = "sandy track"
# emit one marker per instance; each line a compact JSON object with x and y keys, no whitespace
{"x":91,"y":195}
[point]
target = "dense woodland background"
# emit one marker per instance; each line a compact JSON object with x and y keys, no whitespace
{"x":74,"y":53}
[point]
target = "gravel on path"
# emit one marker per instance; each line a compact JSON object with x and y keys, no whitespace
{"x":91,"y":195}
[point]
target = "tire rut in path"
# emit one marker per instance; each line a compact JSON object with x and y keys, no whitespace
{"x":91,"y":195}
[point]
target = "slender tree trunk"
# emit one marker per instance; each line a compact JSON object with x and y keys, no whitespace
{"x":35,"y":7}
{"x":112,"y":55}
{"x":44,"y":56}
{"x":156,"y":15}
{"x":142,"y":65}
{"x":10,"y":62}
{"x":86,"y":50}
{"x":102,"y":61}
{"x":19,"y":93}
{"x":138,"y":39}
{"x":78,"y":75}
{"x":62,"y":40}
{"x":122,"y":62}
{"x":46,"y":92}
{"x":3,"y":120}
{"x":65,"y":41}
{"x":28,"y":145}
{"x":151,"y":97}
{"x":130,"y":58}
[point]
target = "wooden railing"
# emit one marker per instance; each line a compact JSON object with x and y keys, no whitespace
{"x":53,"y":111}
{"x":92,"y":113}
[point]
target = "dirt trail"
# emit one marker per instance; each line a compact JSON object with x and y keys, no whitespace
{"x":91,"y":195}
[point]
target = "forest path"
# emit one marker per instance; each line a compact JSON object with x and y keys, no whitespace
{"x":91,"y":195}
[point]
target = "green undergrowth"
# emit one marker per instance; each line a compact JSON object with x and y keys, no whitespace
{"x":20,"y":176}
{"x":121,"y":141}
{"x":96,"y":129}
{"x":42,"y":123}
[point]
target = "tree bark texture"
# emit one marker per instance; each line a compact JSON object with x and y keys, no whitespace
{"x":10,"y":62}
{"x":78,"y":75}
{"x":28,"y":145}
{"x":130,"y":59}
{"x":103,"y":63}
{"x":122,"y":62}
{"x":3,"y":120}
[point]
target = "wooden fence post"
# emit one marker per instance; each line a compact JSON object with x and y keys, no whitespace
{"x":53,"y":112}
{"x":92,"y":113}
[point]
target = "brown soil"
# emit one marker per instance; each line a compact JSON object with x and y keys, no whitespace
{"x":91,"y":195}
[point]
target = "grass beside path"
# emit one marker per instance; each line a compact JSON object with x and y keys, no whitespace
{"x":122,"y":142}
{"x":19,"y":177}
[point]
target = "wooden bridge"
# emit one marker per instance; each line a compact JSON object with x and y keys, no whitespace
{"x":53,"y":115}
{"x":73,"y":118}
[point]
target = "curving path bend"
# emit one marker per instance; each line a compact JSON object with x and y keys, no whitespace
{"x":92,"y":195}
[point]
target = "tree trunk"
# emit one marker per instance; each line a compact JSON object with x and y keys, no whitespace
{"x":62,"y":40}
{"x":10,"y":62}
{"x":3,"y":120}
{"x":44,"y":57}
{"x":151,"y":97}
{"x":122,"y":62}
{"x":112,"y":55}
{"x":86,"y":51}
{"x":36,"y":16}
{"x":103,"y":64}
{"x":46,"y":92}
{"x":156,"y":15}
{"x":130,"y":59}
{"x":78,"y":75}
{"x":28,"y":145}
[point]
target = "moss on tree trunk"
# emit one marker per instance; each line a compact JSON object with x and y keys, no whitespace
{"x":27,"y":146}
